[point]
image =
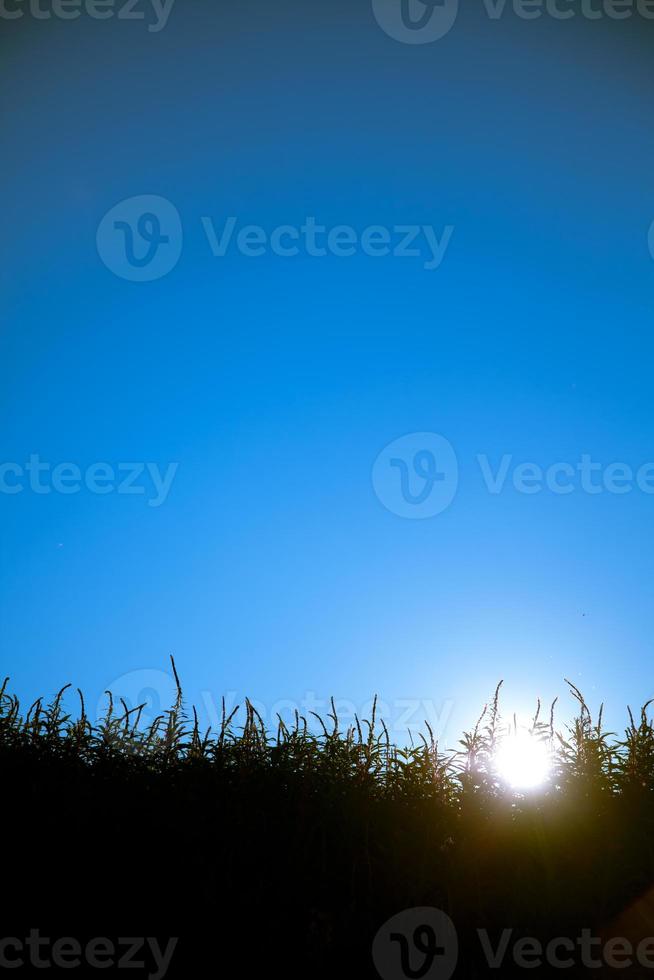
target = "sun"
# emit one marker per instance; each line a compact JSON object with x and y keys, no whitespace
{"x":523,"y":761}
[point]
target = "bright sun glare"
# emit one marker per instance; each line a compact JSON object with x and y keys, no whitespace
{"x":522,"y":761}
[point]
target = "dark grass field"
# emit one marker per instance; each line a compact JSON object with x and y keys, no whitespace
{"x":286,"y":853}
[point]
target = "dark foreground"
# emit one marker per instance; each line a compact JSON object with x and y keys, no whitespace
{"x":250,"y":855}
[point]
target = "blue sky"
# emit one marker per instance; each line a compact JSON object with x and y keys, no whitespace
{"x":273,"y":568}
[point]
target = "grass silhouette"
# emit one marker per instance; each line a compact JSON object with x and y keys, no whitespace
{"x":291,"y":848}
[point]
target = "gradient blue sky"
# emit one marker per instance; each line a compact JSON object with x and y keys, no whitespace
{"x":273,"y":569}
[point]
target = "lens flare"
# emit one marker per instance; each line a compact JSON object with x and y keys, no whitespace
{"x":523,"y":761}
